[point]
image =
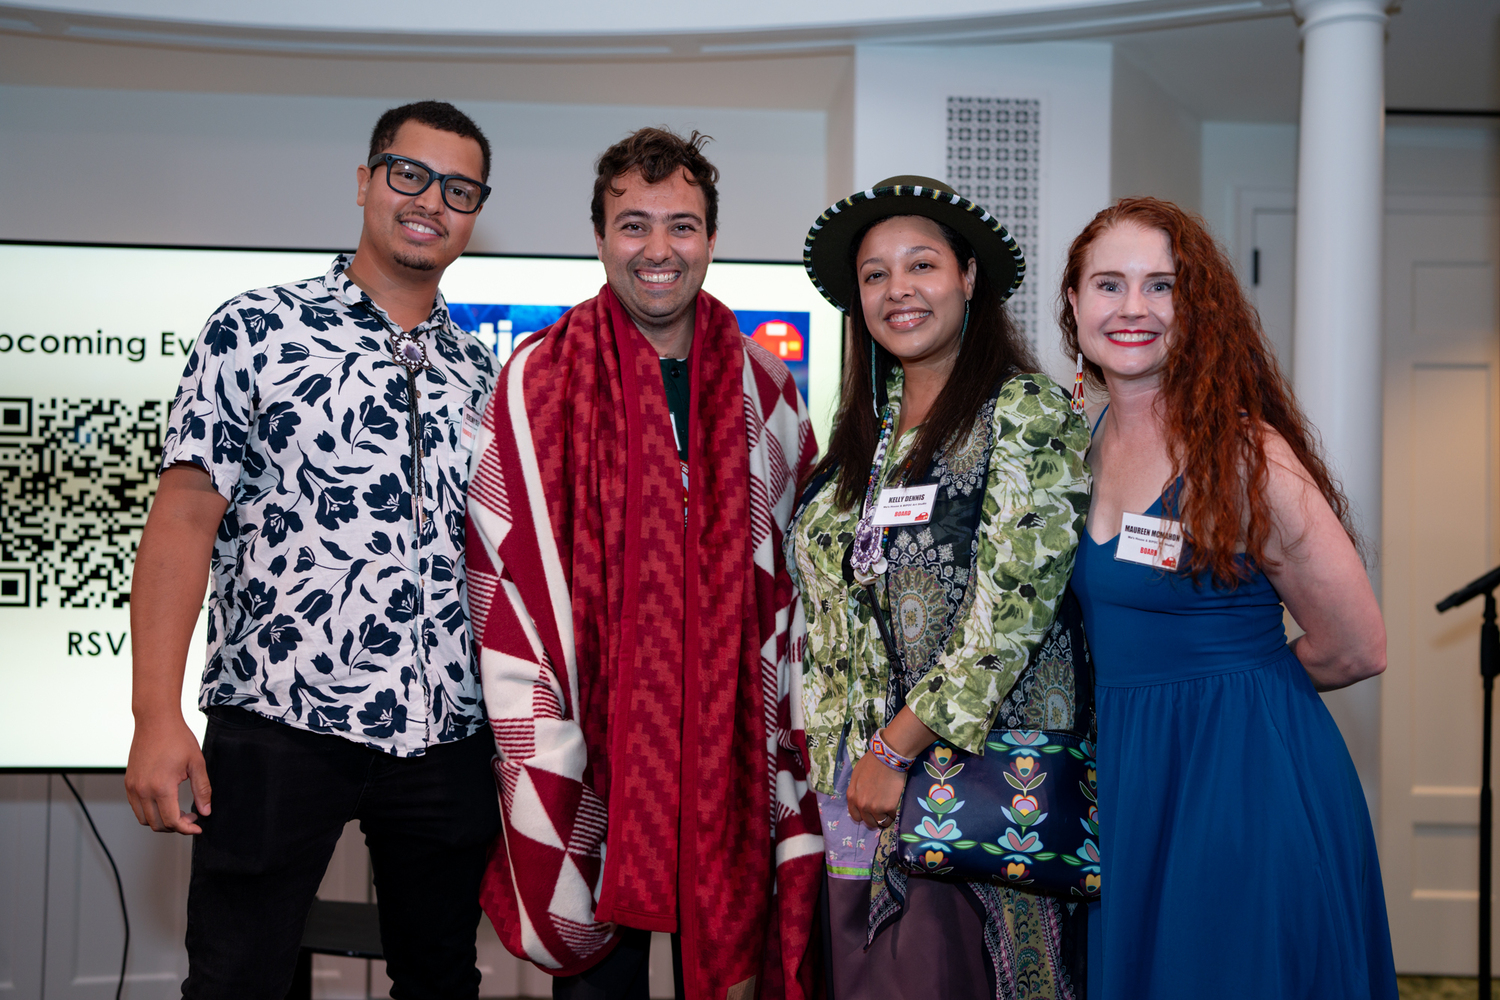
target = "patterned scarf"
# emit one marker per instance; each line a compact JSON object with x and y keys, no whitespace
{"x":638,"y":673}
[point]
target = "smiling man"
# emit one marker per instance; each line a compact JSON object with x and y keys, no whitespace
{"x":316,"y":460}
{"x":639,"y":629}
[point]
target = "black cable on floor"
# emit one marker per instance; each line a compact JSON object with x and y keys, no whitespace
{"x":119,"y":886}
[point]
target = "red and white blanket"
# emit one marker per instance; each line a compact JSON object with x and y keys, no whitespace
{"x":641,"y":675}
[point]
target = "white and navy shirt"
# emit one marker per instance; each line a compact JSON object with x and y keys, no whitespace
{"x":331,"y":609}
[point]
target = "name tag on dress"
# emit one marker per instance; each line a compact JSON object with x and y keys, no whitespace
{"x":468,"y":431}
{"x":900,"y":505}
{"x":1149,"y":540}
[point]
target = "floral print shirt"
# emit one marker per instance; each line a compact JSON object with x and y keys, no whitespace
{"x":1036,"y":496}
{"x":330,"y":609}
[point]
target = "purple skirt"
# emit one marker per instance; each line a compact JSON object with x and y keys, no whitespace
{"x":936,"y":949}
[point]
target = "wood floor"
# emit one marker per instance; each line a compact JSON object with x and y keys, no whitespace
{"x":1442,"y":988}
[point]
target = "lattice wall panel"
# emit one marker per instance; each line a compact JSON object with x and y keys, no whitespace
{"x":994,"y":160}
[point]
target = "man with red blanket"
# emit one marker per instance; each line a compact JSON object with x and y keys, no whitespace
{"x":641,"y":640}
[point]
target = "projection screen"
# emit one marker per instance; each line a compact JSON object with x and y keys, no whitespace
{"x":92,"y":343}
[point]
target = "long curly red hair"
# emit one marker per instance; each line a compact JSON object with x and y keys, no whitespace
{"x":1221,"y":392}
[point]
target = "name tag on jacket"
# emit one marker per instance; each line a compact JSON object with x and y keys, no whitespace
{"x":900,"y":505}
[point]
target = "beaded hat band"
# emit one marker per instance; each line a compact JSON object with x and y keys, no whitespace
{"x":828,"y":254}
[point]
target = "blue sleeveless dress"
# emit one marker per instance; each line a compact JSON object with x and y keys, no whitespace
{"x":1239,"y":861}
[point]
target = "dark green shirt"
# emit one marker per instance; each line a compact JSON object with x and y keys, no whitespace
{"x":674,"y":375}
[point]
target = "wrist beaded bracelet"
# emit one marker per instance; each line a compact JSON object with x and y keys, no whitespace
{"x":887,"y":756}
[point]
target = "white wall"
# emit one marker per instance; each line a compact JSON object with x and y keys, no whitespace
{"x":278,"y":170}
{"x":1244,"y":156}
{"x":839,"y":145}
{"x":900,"y":127}
{"x":1455,"y":159}
{"x":1155,"y":142}
{"x":790,"y":81}
{"x":60,"y":927}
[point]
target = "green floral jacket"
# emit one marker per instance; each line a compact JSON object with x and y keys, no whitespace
{"x":1034,"y":508}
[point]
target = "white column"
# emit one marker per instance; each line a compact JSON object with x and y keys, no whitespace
{"x":1340,"y":175}
{"x":1336,"y":338}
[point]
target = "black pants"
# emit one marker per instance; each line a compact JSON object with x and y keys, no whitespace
{"x":281,"y":797}
{"x":623,"y":975}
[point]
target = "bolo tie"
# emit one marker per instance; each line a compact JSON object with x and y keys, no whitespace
{"x":408,"y":351}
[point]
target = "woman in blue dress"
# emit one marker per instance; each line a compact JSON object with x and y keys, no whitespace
{"x":1239,"y":860}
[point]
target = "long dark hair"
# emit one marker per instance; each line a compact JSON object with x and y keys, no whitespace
{"x":993,"y":349}
{"x":1221,"y":390}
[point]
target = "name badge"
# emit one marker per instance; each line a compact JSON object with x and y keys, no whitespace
{"x":900,"y":505}
{"x":1149,"y":540}
{"x":468,"y":431}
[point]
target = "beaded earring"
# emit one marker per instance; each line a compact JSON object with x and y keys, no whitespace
{"x":1078,"y":386}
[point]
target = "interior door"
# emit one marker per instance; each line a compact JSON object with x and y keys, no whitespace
{"x":1272,"y":267}
{"x":1441,"y":353}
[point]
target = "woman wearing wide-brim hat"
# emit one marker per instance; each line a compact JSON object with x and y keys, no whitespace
{"x":940,"y":388}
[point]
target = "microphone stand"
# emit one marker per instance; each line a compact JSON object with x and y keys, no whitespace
{"x":1489,"y":666}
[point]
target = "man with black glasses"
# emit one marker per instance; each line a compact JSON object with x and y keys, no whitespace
{"x":317,"y":460}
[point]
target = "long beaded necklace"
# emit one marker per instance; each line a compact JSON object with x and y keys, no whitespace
{"x":868,"y":555}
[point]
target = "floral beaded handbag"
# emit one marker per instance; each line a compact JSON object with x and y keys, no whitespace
{"x":1024,"y":813}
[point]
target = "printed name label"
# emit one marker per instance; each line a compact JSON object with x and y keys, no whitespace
{"x":468,"y":431}
{"x":905,"y":505}
{"x":1149,"y":540}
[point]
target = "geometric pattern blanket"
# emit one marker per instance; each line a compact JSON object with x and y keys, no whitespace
{"x":641,"y":674}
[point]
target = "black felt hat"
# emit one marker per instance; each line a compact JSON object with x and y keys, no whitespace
{"x":828,"y":253}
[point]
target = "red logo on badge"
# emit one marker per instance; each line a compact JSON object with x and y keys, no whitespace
{"x":922,"y":516}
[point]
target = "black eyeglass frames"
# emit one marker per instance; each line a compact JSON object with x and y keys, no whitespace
{"x":412,"y":177}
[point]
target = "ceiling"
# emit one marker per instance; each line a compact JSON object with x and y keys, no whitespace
{"x":601,"y":29}
{"x":1440,"y":54}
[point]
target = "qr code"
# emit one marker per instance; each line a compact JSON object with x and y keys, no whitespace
{"x":76,"y":479}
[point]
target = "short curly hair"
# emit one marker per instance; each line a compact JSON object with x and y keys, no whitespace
{"x":657,"y":153}
{"x":435,"y":114}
